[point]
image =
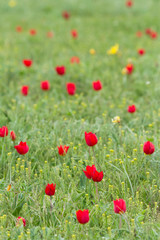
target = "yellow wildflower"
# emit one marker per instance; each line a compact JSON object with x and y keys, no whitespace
{"x":124,"y":71}
{"x":92,"y":51}
{"x":12,"y":3}
{"x":113,"y":50}
{"x":116,"y":119}
{"x":9,"y":187}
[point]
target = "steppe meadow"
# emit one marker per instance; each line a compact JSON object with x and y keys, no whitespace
{"x":79,"y":119}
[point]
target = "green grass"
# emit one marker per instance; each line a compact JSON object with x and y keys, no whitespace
{"x":47,"y":119}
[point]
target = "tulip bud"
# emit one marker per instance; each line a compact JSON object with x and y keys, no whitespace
{"x":82,"y":216}
{"x":148,"y":148}
{"x":12,"y":135}
{"x":119,"y":206}
{"x":3,"y":131}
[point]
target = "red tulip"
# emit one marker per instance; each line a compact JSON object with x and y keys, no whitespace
{"x":139,"y":34}
{"x":91,"y":139}
{"x":119,"y":206}
{"x":19,"y":29}
{"x":97,"y":85}
{"x":22,"y":148}
{"x":141,"y":51}
{"x":45,"y":85}
{"x":89,"y":171}
{"x":27,"y":62}
{"x":50,"y":189}
{"x":153,"y":34}
{"x":71,"y":88}
{"x":75,"y":60}
{"x":74,"y":33}
{"x":66,"y":15}
{"x":131,"y":109}
{"x":148,"y":148}
{"x":61,"y":70}
{"x":49,"y":34}
{"x":92,"y":173}
{"x":33,"y":32}
{"x":129,"y":3}
{"x":21,"y":219}
{"x":129,"y":68}
{"x":13,"y":135}
{"x":148,"y":31}
{"x":82,"y":216}
{"x":3,"y":131}
{"x":24,"y":90}
{"x":62,"y":150}
{"x":97,"y":176}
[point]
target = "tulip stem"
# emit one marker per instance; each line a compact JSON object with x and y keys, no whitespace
{"x":94,"y":156}
{"x":120,"y":133}
{"x":97,"y":193}
{"x":51,"y":204}
{"x":126,"y":219}
{"x":120,"y":221}
{"x":2,"y":153}
{"x":89,"y":152}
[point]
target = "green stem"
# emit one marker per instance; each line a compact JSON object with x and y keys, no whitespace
{"x":51,"y":204}
{"x":120,"y":221}
{"x":97,"y":193}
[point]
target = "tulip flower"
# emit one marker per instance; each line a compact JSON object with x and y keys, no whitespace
{"x":12,"y":135}
{"x":82,"y":216}
{"x":91,"y":139}
{"x":74,"y":33}
{"x":131,"y":109}
{"x":119,"y":206}
{"x":139,"y":34}
{"x":24,"y":90}
{"x":33,"y":32}
{"x":19,"y":29}
{"x":66,"y":15}
{"x":148,"y":148}
{"x":97,"y":85}
{"x":61,"y":70}
{"x":129,"y":3}
{"x":27,"y":62}
{"x":153,"y":34}
{"x":50,"y":189}
{"x":92,"y":173}
{"x":50,"y":34}
{"x":21,"y":219}
{"x":71,"y":88}
{"x":141,"y":51}
{"x":22,"y":148}
{"x":45,"y":85}
{"x":129,"y":68}
{"x":62,"y":150}
{"x":89,"y":171}
{"x":75,"y":60}
{"x":148,"y":31}
{"x":3,"y":131}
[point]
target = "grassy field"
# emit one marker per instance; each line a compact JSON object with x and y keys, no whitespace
{"x":47,"y":119}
